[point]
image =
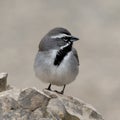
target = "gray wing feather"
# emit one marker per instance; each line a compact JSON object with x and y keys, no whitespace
{"x":76,"y":55}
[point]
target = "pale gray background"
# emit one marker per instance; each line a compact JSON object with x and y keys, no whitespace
{"x":96,"y":22}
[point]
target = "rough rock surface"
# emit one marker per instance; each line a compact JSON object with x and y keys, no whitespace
{"x":32,"y":104}
{"x":3,"y":81}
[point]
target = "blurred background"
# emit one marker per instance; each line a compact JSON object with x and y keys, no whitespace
{"x":96,"y":22}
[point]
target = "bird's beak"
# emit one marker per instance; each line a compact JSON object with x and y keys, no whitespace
{"x":74,"y":39}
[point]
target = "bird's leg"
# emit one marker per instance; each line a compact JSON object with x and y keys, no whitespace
{"x":61,"y":92}
{"x":49,"y":87}
{"x":63,"y":89}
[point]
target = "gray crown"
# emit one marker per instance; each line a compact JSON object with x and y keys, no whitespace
{"x":58,"y":30}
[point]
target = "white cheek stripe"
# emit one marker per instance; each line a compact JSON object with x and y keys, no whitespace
{"x":60,"y":36}
{"x":65,"y":45}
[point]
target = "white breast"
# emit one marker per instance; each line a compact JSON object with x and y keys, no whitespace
{"x":46,"y":71}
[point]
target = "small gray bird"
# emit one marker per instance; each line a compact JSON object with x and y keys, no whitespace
{"x":57,"y":61}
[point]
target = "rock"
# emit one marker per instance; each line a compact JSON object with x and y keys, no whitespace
{"x":3,"y":81}
{"x":32,"y":104}
{"x":32,"y":99}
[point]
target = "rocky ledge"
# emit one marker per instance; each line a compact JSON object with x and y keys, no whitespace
{"x":32,"y":104}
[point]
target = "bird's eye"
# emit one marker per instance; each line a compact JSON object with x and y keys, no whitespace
{"x":65,"y":39}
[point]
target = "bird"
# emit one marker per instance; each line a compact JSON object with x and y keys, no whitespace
{"x":57,"y":61}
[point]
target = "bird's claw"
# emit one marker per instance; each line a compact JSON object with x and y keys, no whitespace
{"x":61,"y":92}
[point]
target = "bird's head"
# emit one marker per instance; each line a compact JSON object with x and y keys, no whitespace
{"x":56,"y":38}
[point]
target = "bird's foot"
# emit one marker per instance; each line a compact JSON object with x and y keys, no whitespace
{"x":49,"y":87}
{"x":60,"y":92}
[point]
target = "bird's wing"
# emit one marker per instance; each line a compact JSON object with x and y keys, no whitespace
{"x":76,"y":55}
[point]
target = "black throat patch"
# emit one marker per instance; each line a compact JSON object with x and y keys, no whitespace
{"x":62,"y":53}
